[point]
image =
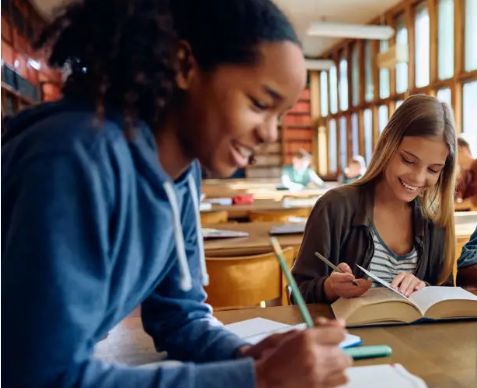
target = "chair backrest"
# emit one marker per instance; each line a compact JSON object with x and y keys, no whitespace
{"x":214,"y":217}
{"x":238,"y":282}
{"x":279,"y":215}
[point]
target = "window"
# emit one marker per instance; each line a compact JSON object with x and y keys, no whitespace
{"x":383,"y":117}
{"x":332,"y":146}
{"x":401,"y":67}
{"x":445,"y":39}
{"x":343,"y":83}
{"x":324,"y":93}
{"x":444,"y":95}
{"x":470,"y":34}
{"x":368,"y":73}
{"x":398,"y":103}
{"x":343,"y":144}
{"x":383,"y":73}
{"x":368,"y":134}
{"x":333,"y":90}
{"x":355,"y":133}
{"x":422,"y":45}
{"x":469,"y":111}
{"x":354,"y":76}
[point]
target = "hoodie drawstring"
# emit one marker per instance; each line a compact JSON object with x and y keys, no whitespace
{"x":198,"y":226}
{"x":186,"y":279}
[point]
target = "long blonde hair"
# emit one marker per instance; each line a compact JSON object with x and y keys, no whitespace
{"x":424,"y":116}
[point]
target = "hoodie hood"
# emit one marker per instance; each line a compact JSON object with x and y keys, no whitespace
{"x":18,"y":126}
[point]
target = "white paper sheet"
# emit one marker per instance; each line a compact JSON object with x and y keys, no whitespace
{"x":256,"y":329}
{"x":380,"y":376}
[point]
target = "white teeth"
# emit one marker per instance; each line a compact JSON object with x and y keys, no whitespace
{"x":245,"y":152}
{"x":409,"y":187}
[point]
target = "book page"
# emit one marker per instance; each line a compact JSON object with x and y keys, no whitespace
{"x":429,"y":296}
{"x":381,"y":281}
{"x":379,"y":376}
{"x":344,"y":308}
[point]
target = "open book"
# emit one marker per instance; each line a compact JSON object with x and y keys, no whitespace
{"x":386,"y":306}
{"x":379,"y":376}
{"x":256,"y":329}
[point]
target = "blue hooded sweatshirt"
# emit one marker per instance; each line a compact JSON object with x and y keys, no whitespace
{"x":91,"y":227}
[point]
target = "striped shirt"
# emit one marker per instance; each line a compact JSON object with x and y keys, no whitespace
{"x":386,"y":264}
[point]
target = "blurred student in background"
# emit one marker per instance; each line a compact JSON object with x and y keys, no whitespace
{"x":299,"y":175}
{"x":355,"y":170}
{"x":398,"y":220}
{"x":466,"y":188}
{"x":467,"y":264}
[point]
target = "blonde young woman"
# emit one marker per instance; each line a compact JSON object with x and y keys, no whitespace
{"x":398,"y":220}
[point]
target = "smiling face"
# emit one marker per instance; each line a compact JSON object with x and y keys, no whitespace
{"x":416,"y":166}
{"x":230,"y":111}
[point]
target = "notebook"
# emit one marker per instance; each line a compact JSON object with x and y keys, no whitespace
{"x":256,"y":329}
{"x":380,"y":376}
{"x":205,"y":206}
{"x":287,"y":229}
{"x":210,"y":234}
{"x":381,"y":306}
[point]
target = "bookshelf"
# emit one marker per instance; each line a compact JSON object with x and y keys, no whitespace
{"x":26,"y":77}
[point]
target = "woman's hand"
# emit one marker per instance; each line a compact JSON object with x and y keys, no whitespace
{"x":406,"y":283}
{"x":340,"y":285}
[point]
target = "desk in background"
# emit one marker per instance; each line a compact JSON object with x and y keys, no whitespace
{"x":258,"y":240}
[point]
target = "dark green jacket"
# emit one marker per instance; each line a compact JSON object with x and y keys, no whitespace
{"x":339,"y":228}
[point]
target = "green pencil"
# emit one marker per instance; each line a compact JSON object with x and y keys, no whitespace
{"x":291,"y":281}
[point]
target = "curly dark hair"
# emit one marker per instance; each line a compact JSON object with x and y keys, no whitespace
{"x":123,"y":51}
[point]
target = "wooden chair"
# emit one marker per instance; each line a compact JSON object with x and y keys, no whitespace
{"x":239,"y":282}
{"x":278,"y":215}
{"x":214,"y":217}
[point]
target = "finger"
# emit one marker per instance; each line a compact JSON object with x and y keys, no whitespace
{"x":336,"y":380}
{"x":344,"y":267}
{"x":342,"y":277}
{"x":270,"y":342}
{"x":412,"y":285}
{"x":322,"y":321}
{"x":363,"y":283}
{"x":398,"y":279}
{"x":420,"y":286}
{"x":406,"y":283}
{"x":332,"y":360}
{"x":328,"y":335}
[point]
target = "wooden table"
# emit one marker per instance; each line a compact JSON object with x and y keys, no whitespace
{"x":260,"y":190}
{"x":244,"y":211}
{"x":443,"y":354}
{"x":258,"y":240}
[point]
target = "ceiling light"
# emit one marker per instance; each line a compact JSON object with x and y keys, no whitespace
{"x":356,"y":31}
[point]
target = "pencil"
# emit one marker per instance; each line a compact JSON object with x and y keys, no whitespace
{"x":291,"y":282}
{"x":332,"y":266}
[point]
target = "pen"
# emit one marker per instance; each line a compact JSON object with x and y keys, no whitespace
{"x":332,"y":266}
{"x":291,"y":281}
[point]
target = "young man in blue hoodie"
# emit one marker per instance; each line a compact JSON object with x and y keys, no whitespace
{"x":100,"y":195}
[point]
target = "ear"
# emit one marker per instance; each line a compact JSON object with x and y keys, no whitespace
{"x":187,"y":66}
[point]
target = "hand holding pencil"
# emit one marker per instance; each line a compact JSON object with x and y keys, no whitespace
{"x":342,"y":284}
